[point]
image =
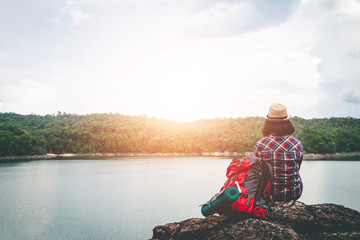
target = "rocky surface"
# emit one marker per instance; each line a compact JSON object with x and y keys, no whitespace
{"x":292,"y":221}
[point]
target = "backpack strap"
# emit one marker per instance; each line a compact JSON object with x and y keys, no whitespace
{"x":266,"y":181}
{"x":235,"y":174}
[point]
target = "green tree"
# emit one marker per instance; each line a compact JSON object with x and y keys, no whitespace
{"x":16,"y":141}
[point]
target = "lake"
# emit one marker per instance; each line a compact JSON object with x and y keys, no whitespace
{"x":126,"y":198}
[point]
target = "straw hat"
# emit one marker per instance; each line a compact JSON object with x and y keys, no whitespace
{"x":277,"y":113}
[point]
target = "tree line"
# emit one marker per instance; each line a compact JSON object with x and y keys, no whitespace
{"x":115,"y":133}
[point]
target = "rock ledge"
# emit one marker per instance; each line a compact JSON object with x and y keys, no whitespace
{"x":292,"y":221}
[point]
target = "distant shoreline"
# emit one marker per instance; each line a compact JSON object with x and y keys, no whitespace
{"x":307,"y":156}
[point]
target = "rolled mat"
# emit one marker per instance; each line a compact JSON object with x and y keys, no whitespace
{"x":220,"y":201}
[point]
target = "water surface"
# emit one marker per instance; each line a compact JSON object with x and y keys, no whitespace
{"x":125,"y":198}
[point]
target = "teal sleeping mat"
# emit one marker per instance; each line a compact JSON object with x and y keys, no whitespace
{"x":220,"y":202}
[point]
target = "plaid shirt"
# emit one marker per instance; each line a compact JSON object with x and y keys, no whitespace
{"x":285,"y":154}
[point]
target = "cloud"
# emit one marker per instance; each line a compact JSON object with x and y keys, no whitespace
{"x":178,"y":60}
{"x":337,"y":46}
{"x":203,"y":17}
{"x":56,"y":20}
{"x":186,"y":59}
{"x":351,"y":96}
{"x":224,"y":18}
{"x":354,"y":53}
{"x":27,"y":95}
{"x":77,"y":15}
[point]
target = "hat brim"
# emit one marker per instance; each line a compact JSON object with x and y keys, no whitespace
{"x":277,"y":119}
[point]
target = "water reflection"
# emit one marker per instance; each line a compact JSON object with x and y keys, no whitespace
{"x":28,"y":197}
{"x":312,"y":174}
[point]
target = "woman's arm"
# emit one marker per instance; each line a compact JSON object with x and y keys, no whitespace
{"x":257,"y":149}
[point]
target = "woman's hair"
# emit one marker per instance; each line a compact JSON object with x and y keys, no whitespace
{"x":278,"y":128}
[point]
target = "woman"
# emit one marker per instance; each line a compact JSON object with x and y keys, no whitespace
{"x":283,"y":152}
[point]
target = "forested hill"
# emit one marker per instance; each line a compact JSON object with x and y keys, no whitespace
{"x":115,"y":133}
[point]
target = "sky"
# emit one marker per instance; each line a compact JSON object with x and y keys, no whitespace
{"x":180,"y":60}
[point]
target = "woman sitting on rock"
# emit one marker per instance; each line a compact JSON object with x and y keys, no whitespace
{"x":283,"y":152}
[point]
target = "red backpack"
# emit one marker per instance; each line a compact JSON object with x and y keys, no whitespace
{"x":252,"y":177}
